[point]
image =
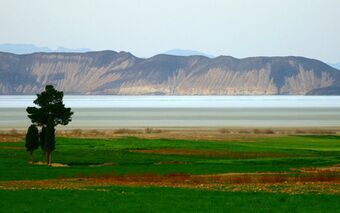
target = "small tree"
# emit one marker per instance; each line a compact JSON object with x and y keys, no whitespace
{"x":50,"y":113}
{"x":32,"y":140}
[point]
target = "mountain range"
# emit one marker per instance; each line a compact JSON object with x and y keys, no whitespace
{"x":31,"y":48}
{"x":182,"y":52}
{"x":121,"y":73}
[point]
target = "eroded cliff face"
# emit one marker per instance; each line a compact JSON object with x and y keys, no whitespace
{"x":216,"y":81}
{"x":305,"y":81}
{"x":109,"y":72}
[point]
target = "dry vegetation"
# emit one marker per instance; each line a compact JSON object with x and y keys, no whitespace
{"x":322,"y":181}
{"x":235,"y":134}
{"x":196,"y":134}
{"x":12,"y":135}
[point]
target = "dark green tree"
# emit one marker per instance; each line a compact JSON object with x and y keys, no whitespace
{"x":52,"y":110}
{"x":32,"y":140}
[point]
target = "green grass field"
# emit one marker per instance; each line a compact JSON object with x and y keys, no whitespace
{"x":152,"y":199}
{"x":124,"y":156}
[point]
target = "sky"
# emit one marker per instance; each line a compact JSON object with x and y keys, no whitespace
{"x":240,"y":28}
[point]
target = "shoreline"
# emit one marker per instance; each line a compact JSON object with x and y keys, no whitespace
{"x":208,"y":134}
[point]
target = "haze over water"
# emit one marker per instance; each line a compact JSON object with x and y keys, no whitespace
{"x":184,"y":111}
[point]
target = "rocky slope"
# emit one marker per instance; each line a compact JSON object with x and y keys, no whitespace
{"x":109,"y":72}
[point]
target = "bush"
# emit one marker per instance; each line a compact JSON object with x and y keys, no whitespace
{"x":151,"y":130}
{"x":127,"y":131}
{"x":224,"y":131}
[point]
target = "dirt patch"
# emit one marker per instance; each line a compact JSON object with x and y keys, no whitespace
{"x":293,"y":183}
{"x":212,"y":153}
{"x":265,"y":178}
{"x":12,"y":147}
{"x":58,"y":165}
{"x":334,"y":168}
{"x":67,"y":165}
{"x":103,"y":164}
{"x":93,"y":184}
{"x":52,"y":164}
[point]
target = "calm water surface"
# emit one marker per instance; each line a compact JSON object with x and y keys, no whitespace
{"x":185,"y":111}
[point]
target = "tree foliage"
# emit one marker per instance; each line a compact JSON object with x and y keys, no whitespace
{"x":32,"y":139}
{"x":49,"y":136}
{"x":49,"y":144}
{"x":50,"y":104}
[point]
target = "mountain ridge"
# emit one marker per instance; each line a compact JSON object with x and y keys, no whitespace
{"x":121,"y":73}
{"x":185,"y":52}
{"x":21,"y":49}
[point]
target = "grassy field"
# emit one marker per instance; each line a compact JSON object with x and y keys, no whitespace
{"x":151,"y":199}
{"x":297,"y":173}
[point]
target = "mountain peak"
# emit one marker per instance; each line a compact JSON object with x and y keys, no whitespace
{"x":183,"y":52}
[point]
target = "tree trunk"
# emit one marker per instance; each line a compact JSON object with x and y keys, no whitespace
{"x":49,"y":158}
{"x":31,"y":156}
{"x":44,"y":157}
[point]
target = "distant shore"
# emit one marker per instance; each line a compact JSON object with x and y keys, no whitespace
{"x":14,"y":135}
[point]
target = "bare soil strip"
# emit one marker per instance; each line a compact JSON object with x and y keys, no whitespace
{"x":12,"y":147}
{"x":323,"y":181}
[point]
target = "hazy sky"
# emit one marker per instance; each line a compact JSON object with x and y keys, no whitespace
{"x":239,"y":28}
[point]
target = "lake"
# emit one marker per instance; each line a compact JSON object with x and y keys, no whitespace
{"x":184,"y":111}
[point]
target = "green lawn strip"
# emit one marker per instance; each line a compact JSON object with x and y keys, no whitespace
{"x":162,"y":199}
{"x":19,"y":169}
{"x":84,"y":154}
{"x":287,"y":145}
{"x":316,"y":143}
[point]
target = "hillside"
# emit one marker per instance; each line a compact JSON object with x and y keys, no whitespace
{"x":121,"y":73}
